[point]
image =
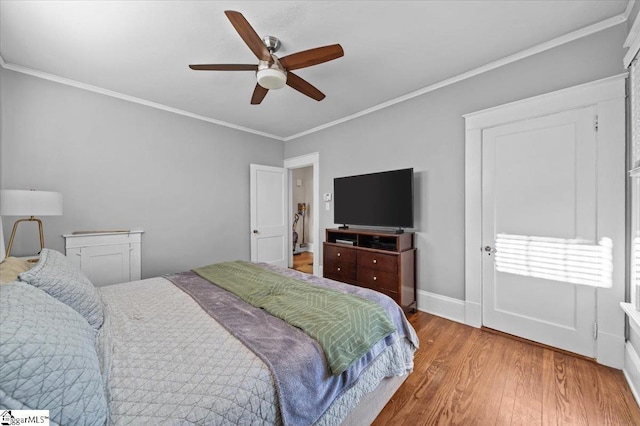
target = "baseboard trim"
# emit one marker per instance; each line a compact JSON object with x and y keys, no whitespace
{"x":308,"y":247}
{"x":631,"y":370}
{"x":442,"y":306}
{"x":610,"y":350}
{"x":473,"y":314}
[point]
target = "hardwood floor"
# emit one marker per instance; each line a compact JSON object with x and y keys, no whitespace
{"x":303,"y":262}
{"x":467,"y":376}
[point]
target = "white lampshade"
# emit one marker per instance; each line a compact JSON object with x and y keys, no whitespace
{"x":19,"y":202}
{"x":271,"y":78}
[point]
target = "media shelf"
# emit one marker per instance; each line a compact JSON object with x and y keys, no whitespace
{"x":379,"y":260}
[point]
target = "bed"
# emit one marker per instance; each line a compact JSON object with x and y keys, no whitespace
{"x":179,"y":349}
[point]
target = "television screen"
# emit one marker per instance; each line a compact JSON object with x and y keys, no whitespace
{"x":376,"y":199}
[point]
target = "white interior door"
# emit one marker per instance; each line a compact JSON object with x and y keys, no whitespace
{"x":269,"y":240}
{"x":539,"y":213}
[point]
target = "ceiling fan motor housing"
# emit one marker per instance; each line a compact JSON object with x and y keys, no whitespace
{"x":271,"y":75}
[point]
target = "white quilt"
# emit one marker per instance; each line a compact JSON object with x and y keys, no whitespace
{"x":166,"y":361}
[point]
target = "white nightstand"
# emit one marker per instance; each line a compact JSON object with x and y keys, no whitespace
{"x":106,"y":257}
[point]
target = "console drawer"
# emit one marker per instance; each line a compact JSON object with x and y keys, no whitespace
{"x":340,"y":271}
{"x":339,"y":254}
{"x":375,"y":279}
{"x":378,"y":261}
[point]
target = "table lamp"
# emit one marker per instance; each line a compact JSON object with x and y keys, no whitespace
{"x":18,"y":202}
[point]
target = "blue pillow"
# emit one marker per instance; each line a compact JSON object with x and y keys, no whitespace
{"x":56,"y":275}
{"x":48,"y":359}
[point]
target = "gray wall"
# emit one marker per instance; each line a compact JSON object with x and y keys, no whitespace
{"x":1,"y":127}
{"x":427,"y":133}
{"x":121,"y":165}
{"x":633,"y":15}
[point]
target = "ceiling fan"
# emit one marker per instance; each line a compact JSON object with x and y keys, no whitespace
{"x":273,"y":72}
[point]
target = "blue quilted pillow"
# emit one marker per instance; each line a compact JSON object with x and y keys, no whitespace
{"x":56,"y":275}
{"x":48,"y":359}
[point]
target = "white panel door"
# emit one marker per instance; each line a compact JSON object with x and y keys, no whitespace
{"x":268,"y":215}
{"x":541,"y":259}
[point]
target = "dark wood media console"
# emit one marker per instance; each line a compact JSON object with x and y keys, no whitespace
{"x":379,"y":260}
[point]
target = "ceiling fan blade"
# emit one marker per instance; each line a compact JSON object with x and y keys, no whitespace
{"x":258,"y":94}
{"x":310,"y":57}
{"x":248,"y":34}
{"x":224,"y":67}
{"x":304,"y":87}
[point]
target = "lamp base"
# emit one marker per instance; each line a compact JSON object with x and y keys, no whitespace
{"x":15,"y":228}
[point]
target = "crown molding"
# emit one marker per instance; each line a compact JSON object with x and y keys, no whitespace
{"x":558,"y":41}
{"x":134,"y":99}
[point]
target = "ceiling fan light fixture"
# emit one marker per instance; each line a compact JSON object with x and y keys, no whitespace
{"x":272,"y":78}
{"x":271,"y":73}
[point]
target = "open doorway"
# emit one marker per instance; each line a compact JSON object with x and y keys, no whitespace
{"x":302,"y":244}
{"x":303,"y":213}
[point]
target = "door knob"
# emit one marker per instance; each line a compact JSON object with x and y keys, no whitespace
{"x":255,"y":231}
{"x":489,"y":249}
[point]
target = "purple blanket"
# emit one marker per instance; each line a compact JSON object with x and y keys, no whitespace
{"x":304,"y":385}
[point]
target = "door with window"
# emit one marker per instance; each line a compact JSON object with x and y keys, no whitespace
{"x":541,"y":260}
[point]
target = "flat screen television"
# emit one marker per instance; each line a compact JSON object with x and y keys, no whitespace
{"x":377,"y":199}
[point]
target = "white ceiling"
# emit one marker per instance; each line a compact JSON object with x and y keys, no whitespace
{"x":142,"y":49}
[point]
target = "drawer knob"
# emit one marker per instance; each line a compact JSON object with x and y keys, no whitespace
{"x":339,"y":269}
{"x":375,"y":278}
{"x":375,"y":261}
{"x":338,"y":254}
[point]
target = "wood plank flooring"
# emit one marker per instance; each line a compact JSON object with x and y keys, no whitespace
{"x":303,"y":262}
{"x":468,"y":376}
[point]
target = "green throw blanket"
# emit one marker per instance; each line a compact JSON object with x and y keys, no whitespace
{"x":345,"y":326}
